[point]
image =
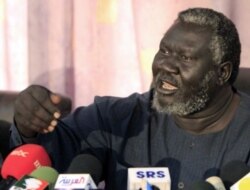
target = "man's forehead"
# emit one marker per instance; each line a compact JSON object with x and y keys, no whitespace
{"x":187,"y":37}
{"x":187,"y":31}
{"x":189,"y":27}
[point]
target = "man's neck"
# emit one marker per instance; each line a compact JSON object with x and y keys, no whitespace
{"x":215,"y":117}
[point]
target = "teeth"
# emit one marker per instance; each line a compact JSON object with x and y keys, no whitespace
{"x":168,"y":86}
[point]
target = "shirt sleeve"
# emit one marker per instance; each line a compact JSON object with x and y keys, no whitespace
{"x":15,"y":137}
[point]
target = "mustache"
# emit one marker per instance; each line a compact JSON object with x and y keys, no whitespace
{"x":163,"y":76}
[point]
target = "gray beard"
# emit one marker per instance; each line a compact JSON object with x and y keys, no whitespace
{"x":186,"y":106}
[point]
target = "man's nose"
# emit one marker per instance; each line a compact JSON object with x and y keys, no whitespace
{"x":170,"y":64}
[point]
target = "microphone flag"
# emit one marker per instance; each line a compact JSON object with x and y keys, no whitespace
{"x":157,"y":177}
{"x":30,"y":183}
{"x":242,"y":184}
{"x":74,"y":181}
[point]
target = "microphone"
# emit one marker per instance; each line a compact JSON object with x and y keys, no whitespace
{"x":41,"y":178}
{"x":80,"y":172}
{"x":27,"y":182}
{"x":156,"y":177}
{"x":202,"y":185}
{"x":21,"y":161}
{"x":242,"y":184}
{"x":216,"y":182}
{"x":233,"y":172}
{"x":46,"y":173}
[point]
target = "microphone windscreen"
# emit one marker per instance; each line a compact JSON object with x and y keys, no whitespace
{"x":86,"y":163}
{"x":23,"y":160}
{"x":202,"y":185}
{"x":233,"y":171}
{"x":45,"y":173}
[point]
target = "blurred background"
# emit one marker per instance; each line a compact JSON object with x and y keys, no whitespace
{"x":83,"y":48}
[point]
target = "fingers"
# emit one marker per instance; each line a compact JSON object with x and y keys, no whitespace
{"x":29,"y":128}
{"x":64,"y":104}
{"x":56,"y":99}
{"x":43,"y":97}
{"x":35,"y":111}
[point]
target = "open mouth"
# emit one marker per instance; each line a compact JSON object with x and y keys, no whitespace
{"x":166,"y":87}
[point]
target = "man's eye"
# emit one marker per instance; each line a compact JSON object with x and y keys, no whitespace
{"x":165,"y":51}
{"x":186,"y":58}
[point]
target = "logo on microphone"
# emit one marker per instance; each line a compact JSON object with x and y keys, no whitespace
{"x":157,"y":177}
{"x":19,"y":153}
{"x":30,"y":183}
{"x":68,"y":181}
{"x":74,"y":181}
{"x":150,"y":174}
{"x":37,"y":164}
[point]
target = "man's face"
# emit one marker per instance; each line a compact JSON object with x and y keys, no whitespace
{"x":184,"y":74}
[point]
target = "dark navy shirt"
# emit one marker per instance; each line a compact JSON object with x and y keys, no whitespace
{"x":126,"y":132}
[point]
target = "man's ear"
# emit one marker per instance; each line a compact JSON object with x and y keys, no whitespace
{"x":224,"y":72}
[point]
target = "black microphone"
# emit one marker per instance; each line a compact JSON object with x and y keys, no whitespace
{"x":85,"y":171}
{"x":233,"y":171}
{"x":86,"y":163}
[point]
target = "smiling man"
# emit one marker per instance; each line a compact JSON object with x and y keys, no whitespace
{"x":195,"y":68}
{"x":183,"y":69}
{"x":192,"y":120}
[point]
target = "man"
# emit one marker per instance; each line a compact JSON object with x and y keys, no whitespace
{"x":192,"y":120}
